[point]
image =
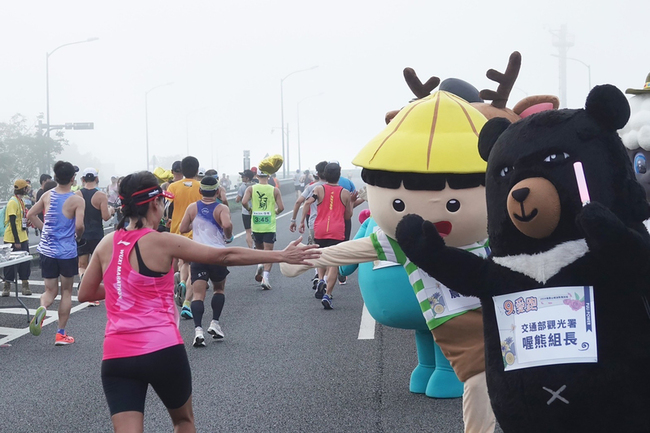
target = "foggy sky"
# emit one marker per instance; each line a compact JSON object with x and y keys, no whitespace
{"x":226,"y":60}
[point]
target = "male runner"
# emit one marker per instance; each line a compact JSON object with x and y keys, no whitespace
{"x":209,"y":221}
{"x":64,"y":222}
{"x":186,"y":192}
{"x":246,"y":181}
{"x":96,"y":211}
{"x":266,"y":203}
{"x":334,"y":207}
{"x":308,"y":192}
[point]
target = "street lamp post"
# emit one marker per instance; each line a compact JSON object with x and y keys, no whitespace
{"x":146,"y":116}
{"x":298,"y":123}
{"x":579,"y":61}
{"x":47,"y":79}
{"x":284,"y":168}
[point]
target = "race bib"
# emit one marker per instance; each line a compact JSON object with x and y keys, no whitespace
{"x":261,"y":217}
{"x":24,"y":223}
{"x":550,"y":326}
{"x":444,"y":301}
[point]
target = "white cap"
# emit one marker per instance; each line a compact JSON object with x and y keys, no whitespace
{"x":89,"y":170}
{"x":201,"y":171}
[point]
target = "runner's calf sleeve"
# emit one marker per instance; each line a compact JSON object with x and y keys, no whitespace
{"x":218,"y":300}
{"x":197,"y":312}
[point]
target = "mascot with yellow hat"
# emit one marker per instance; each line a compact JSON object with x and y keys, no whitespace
{"x":426,"y":162}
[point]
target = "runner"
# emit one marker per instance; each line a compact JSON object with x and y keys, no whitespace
{"x":209,"y":221}
{"x":221,"y":194}
{"x":266,"y":204}
{"x":334,"y":207}
{"x":142,"y":344}
{"x":15,"y":226}
{"x":64,"y":221}
{"x":246,"y":181}
{"x":96,"y":211}
{"x":319,"y":273}
{"x":185,"y":192}
{"x":296,"y":182}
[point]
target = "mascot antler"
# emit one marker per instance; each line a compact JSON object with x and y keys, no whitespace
{"x":506,"y":82}
{"x":420,"y":90}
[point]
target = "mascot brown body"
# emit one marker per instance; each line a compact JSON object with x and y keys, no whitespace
{"x":543,"y":236}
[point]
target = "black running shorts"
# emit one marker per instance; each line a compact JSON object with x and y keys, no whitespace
{"x":202,"y":271}
{"x":87,"y":246}
{"x":247,"y":221}
{"x":264,"y":238}
{"x":54,"y":268}
{"x":125,"y":380}
{"x":324,"y":243}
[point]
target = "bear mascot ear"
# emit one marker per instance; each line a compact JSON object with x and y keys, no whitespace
{"x":489,"y":135}
{"x":608,"y":106}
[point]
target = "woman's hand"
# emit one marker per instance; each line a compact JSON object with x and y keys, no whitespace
{"x":298,"y":254}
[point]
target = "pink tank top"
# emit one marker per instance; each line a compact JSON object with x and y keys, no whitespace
{"x":330,"y":223}
{"x":141,"y":314}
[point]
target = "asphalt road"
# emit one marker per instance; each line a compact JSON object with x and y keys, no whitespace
{"x":286,"y":365}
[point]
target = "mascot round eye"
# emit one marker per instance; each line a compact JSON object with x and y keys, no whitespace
{"x":453,"y":205}
{"x":557,"y":157}
{"x":398,"y":205}
{"x":639,"y":163}
{"x":505,"y":171}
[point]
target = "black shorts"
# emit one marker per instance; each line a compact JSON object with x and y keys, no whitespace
{"x":125,"y":380}
{"x":54,"y":268}
{"x":87,"y":246}
{"x":202,"y":271}
{"x":324,"y":243}
{"x":264,"y":238}
{"x":247,"y":221}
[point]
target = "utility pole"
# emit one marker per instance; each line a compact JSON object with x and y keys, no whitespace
{"x":563,"y":41}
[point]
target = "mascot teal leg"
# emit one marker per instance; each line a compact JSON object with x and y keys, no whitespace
{"x":426,"y":362}
{"x":443,"y":382}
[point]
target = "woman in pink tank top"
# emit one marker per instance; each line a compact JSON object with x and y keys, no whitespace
{"x":142,"y":344}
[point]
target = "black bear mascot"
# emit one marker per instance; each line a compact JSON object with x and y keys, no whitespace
{"x":565,"y":290}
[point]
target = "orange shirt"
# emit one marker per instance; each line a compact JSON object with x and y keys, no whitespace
{"x":186,"y":192}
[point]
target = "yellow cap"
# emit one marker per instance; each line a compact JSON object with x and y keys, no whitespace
{"x":436,"y":134}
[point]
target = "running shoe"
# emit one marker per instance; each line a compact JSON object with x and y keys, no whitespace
{"x":259,"y":272}
{"x":179,"y":297}
{"x":265,"y":284}
{"x":37,"y":321}
{"x":327,"y":302}
{"x":63,"y":340}
{"x":320,"y":289}
{"x":215,"y":330}
{"x":314,"y":282}
{"x":343,"y":280}
{"x":199,"y":339}
{"x":186,"y":313}
{"x":93,"y":303}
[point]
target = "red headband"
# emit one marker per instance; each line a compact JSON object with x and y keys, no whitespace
{"x":146,"y":195}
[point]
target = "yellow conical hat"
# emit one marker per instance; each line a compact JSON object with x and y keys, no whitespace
{"x":435,"y":134}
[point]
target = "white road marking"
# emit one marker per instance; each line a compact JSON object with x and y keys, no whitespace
{"x":51,"y":316}
{"x":367,"y":327}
